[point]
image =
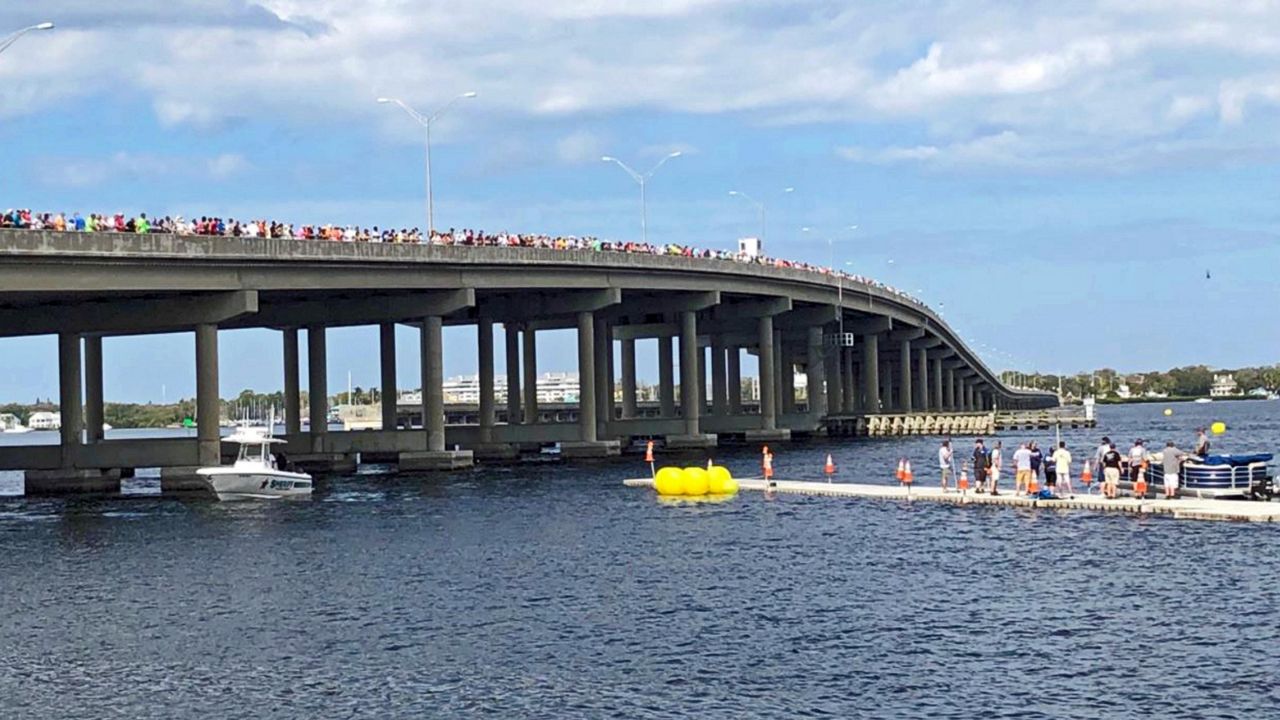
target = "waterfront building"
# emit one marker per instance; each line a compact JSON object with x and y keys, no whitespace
{"x":1224,"y":385}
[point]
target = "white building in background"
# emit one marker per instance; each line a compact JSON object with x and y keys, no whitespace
{"x":1224,"y":385}
{"x":465,"y":390}
{"x":44,"y":420}
{"x":1123,"y":392}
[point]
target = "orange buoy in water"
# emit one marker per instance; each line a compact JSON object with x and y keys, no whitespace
{"x":830,"y":467}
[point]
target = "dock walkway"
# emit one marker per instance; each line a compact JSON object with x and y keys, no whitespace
{"x":1181,"y":508}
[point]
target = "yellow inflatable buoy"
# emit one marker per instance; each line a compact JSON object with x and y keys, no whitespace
{"x":695,"y":481}
{"x":1218,"y":428}
{"x":720,"y":481}
{"x":1168,"y":412}
{"x":669,"y":481}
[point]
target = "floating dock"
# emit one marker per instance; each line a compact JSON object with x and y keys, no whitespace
{"x":1181,"y":508}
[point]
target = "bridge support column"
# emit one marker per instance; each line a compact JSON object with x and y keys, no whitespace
{"x":923,"y":402}
{"x":950,"y":385}
{"x":968,"y":396}
{"x":936,"y":397}
{"x":666,"y":378}
{"x":815,"y":372}
{"x":387,"y":367}
{"x":768,"y":386}
{"x":835,"y":381}
{"x":69,"y":397}
{"x":628,"y":378}
{"x":513,"y":372}
{"x":531,"y":375}
{"x":431,"y":342}
{"x":777,"y":372}
{"x":484,"y":357}
{"x":733,"y":378}
{"x":600,"y":347}
{"x":690,"y":399}
{"x":904,"y":376}
{"x":317,"y":387}
{"x":293,"y":384}
{"x":93,"y":405}
{"x":588,"y":444}
{"x":719,"y":384}
{"x":787,"y":376}
{"x":208,"y":404}
{"x":888,"y":401}
{"x":870,"y":373}
{"x":850,"y":400}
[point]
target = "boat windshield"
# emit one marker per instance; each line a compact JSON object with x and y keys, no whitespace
{"x":253,"y":453}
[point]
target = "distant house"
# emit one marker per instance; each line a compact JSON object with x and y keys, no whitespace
{"x":44,"y":420}
{"x":1123,"y":391}
{"x":1224,"y":385}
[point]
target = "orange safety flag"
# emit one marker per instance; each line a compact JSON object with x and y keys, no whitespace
{"x":648,"y":452}
{"x":830,"y":467}
{"x":907,"y":477}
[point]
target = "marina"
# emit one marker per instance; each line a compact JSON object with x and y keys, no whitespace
{"x":1184,"y":508}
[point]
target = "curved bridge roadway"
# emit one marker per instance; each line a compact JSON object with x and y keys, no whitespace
{"x":864,"y":348}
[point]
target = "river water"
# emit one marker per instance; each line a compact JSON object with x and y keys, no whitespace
{"x":550,"y":591}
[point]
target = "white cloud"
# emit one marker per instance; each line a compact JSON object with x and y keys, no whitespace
{"x":1058,"y":76}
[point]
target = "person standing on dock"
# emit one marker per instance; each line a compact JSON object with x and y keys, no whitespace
{"x":1022,"y":469}
{"x":1172,"y":461}
{"x":996,"y":463}
{"x":981,"y":463}
{"x":1061,"y":469}
{"x":946,"y":463}
{"x":1110,"y":471}
{"x":1097,"y":456}
{"x":1202,"y":443}
{"x":1137,"y":460}
{"x":1037,"y":459}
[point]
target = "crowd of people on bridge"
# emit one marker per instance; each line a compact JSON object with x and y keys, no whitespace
{"x":230,"y":227}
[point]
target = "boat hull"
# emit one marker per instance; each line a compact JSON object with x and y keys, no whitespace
{"x":1213,"y":481}
{"x":233,"y":484}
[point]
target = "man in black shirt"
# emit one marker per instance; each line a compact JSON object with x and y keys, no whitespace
{"x":1110,"y":471}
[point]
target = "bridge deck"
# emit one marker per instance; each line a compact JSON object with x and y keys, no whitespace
{"x":1181,"y":508}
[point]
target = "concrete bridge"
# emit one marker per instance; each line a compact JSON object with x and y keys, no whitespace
{"x":865,"y":349}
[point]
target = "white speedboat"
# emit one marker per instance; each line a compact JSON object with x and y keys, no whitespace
{"x":255,"y":473}
{"x":1203,"y":400}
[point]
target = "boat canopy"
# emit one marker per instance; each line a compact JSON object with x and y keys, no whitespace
{"x":1237,"y":460}
{"x":252,"y":436}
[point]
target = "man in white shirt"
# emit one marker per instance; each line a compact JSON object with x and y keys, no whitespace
{"x":1021,"y":469}
{"x":945,"y":463}
{"x":1062,"y":468}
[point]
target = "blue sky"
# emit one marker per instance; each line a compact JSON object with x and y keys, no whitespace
{"x":1057,"y":178}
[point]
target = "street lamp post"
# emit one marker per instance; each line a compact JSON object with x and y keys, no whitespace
{"x":12,"y":37}
{"x":425,"y":121}
{"x":759,"y":206}
{"x":642,"y":181}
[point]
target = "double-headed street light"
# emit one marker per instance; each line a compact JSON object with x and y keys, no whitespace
{"x":759,"y":206}
{"x":12,"y":37}
{"x":425,"y":121}
{"x":642,"y":180}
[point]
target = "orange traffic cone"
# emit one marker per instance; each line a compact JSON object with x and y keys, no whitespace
{"x":648,"y":452}
{"x":1140,"y":484}
{"x":901,"y":468}
{"x":829,"y":468}
{"x":907,"y":477}
{"x":1033,"y":487}
{"x":964,"y":481}
{"x":768,"y":466}
{"x":1086,"y":476}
